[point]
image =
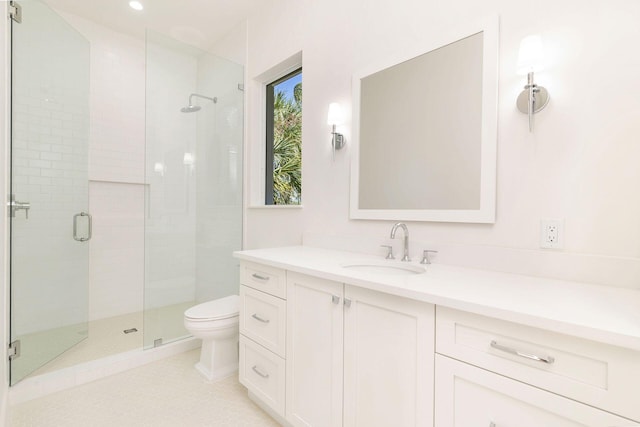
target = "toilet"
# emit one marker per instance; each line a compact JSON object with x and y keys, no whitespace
{"x":216,"y":324}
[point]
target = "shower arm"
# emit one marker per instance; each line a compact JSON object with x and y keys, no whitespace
{"x":214,"y":100}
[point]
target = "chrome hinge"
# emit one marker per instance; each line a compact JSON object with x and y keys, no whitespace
{"x":14,"y":350}
{"x":15,"y":12}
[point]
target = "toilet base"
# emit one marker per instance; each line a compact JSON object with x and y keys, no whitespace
{"x":218,"y":358}
{"x":214,"y":376}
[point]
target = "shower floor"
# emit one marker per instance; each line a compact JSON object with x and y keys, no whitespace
{"x":106,"y":336}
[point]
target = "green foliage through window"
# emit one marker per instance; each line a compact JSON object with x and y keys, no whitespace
{"x":286,"y":153}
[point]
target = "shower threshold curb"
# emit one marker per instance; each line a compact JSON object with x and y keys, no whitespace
{"x":83,"y":373}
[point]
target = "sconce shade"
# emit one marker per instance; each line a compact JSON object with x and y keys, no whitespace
{"x":335,"y":115}
{"x":530,"y":56}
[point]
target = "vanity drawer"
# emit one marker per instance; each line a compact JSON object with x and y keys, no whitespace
{"x":467,"y":396}
{"x":262,"y":372}
{"x":264,"y":278}
{"x":601,"y":375}
{"x":263,"y":319}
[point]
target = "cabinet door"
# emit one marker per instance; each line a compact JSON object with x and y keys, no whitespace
{"x":388,"y":357}
{"x":314,"y":351}
{"x":467,"y":396}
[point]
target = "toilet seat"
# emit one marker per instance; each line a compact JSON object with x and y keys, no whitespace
{"x":218,"y":309}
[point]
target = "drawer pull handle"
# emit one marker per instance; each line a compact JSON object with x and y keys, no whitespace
{"x":547,"y":359}
{"x":257,"y":371}
{"x":259,"y":319}
{"x":260,"y":277}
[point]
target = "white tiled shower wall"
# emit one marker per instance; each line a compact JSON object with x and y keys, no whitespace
{"x":219,"y":183}
{"x":171,"y":211}
{"x":179,"y":266}
{"x":116,"y":169}
{"x":117,"y":249}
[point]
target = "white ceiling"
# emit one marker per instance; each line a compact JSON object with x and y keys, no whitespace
{"x":196,"y":22}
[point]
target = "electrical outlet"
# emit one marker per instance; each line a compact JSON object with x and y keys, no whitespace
{"x":551,"y":233}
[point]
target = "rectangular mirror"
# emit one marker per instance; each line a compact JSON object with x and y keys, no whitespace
{"x":425,"y":131}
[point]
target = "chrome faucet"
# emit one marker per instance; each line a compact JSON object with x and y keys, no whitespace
{"x":406,"y":238}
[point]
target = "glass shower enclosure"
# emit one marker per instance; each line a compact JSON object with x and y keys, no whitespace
{"x":193,"y":183}
{"x":49,"y":200}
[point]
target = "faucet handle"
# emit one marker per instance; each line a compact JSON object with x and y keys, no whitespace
{"x":425,"y":256}
{"x":390,"y":251}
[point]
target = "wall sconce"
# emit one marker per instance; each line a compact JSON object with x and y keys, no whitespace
{"x":335,"y":117}
{"x":533,"y":98}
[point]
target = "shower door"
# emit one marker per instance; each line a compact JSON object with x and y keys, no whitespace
{"x":48,"y":204}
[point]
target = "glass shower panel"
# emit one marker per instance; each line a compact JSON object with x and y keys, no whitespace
{"x":49,"y":187}
{"x":194,"y":123}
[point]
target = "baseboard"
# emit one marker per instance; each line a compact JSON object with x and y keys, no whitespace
{"x":63,"y":379}
{"x":279,"y":419}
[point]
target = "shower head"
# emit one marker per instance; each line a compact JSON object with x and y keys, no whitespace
{"x":193,"y":108}
{"x":190,"y":108}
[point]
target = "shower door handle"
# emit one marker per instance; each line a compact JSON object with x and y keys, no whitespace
{"x":15,"y":206}
{"x":75,"y":227}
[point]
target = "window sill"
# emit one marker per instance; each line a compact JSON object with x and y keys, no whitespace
{"x":275,"y":207}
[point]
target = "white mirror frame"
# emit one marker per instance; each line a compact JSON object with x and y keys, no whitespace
{"x":489,"y":134}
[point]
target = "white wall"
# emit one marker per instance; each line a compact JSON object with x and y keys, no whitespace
{"x":580,"y":164}
{"x":233,"y":46}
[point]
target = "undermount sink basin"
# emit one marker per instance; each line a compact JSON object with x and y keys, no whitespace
{"x":385,"y":267}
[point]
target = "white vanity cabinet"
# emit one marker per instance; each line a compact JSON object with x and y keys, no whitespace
{"x":450,"y":348}
{"x":467,"y":396}
{"x":263,"y":334}
{"x":386,"y":355}
{"x":493,"y":350}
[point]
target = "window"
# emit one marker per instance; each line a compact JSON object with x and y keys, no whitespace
{"x":284,"y":140}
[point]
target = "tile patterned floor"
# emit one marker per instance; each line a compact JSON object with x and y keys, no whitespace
{"x":105,"y":338}
{"x":168,"y":392}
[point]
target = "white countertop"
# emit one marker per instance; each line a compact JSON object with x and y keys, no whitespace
{"x":602,"y":313}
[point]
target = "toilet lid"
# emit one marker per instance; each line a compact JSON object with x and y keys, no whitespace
{"x":217,"y":309}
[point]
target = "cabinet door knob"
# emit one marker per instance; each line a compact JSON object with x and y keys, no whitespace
{"x":335,"y":299}
{"x":347,"y":302}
